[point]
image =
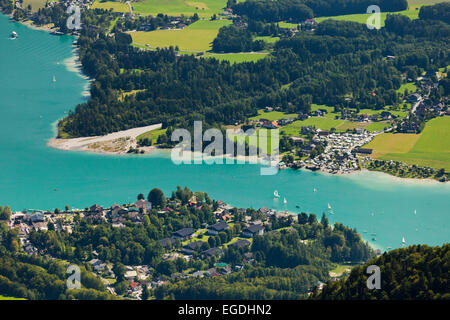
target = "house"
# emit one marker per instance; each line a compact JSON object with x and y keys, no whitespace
{"x":130,"y":275}
{"x":96,"y":209}
{"x":38,"y":226}
{"x":213,"y":252}
{"x":185,"y":233}
{"x":34,"y":217}
{"x":216,"y":228}
{"x":146,"y":206}
{"x":240,"y":243}
{"x":270,"y":124}
{"x":264,"y":210}
{"x":297,"y":140}
{"x":310,"y":22}
{"x":192,"y":246}
{"x":117,"y":211}
{"x":167,"y":242}
{"x":362,"y":150}
{"x":324,"y":133}
{"x":252,"y":230}
{"x":415,"y":97}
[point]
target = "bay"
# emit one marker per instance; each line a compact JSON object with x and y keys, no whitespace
{"x":32,"y":175}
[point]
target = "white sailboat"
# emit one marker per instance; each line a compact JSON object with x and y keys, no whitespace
{"x":284,"y":201}
{"x":315,"y":190}
{"x":415,"y":211}
{"x":403,"y":240}
{"x":275,"y":194}
{"x":329,"y":207}
{"x":54,"y":79}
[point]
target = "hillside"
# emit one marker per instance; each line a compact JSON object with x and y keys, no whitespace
{"x":418,"y":272}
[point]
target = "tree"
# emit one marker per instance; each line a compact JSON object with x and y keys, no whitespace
{"x":324,"y":220}
{"x":145,"y":293}
{"x":140,"y":196}
{"x":5,"y":213}
{"x":157,"y":198}
{"x":119,"y":271}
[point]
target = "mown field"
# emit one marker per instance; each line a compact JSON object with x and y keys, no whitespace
{"x":362,"y":18}
{"x":237,"y":57}
{"x":197,"y":37}
{"x":10,"y":298}
{"x":35,"y":4}
{"x":204,"y":8}
{"x":430,"y":148}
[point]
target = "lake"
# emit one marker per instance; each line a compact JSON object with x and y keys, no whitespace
{"x":33,"y":175}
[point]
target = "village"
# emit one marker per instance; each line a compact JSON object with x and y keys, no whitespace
{"x":185,"y":243}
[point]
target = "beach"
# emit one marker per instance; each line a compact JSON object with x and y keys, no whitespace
{"x":114,"y":143}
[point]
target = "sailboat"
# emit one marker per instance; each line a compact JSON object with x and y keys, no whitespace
{"x":284,"y":201}
{"x":275,"y":194}
{"x":329,"y":207}
{"x":403,"y":240}
{"x":415,"y":211}
{"x":14,"y":35}
{"x":315,"y":190}
{"x":54,"y":79}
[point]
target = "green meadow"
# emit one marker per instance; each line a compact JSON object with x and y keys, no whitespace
{"x":196,"y":37}
{"x":10,"y":298}
{"x":151,"y":135}
{"x":362,"y":18}
{"x":430,"y":148}
{"x":204,"y":8}
{"x":35,"y":4}
{"x":237,"y":57}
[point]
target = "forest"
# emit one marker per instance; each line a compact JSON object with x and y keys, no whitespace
{"x":340,"y":60}
{"x":300,"y":10}
{"x":418,"y":272}
{"x":35,"y":277}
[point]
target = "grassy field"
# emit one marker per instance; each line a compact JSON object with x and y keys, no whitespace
{"x":151,"y":135}
{"x":411,"y":87}
{"x":197,"y":37}
{"x":267,"y":39}
{"x":10,"y":298}
{"x":362,"y":18}
{"x":237,"y":57}
{"x":35,"y":4}
{"x":204,"y":8}
{"x":273,"y":115}
{"x":116,"y":6}
{"x":430,"y":148}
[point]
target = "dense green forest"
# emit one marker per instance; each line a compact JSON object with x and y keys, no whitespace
{"x":418,"y":272}
{"x":339,"y":60}
{"x":300,"y":10}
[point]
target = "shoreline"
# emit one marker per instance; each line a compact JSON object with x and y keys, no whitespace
{"x":73,"y":64}
{"x":114,"y":143}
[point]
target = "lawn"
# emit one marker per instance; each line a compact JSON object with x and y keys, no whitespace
{"x":272,"y":116}
{"x":115,"y":5}
{"x":204,"y":8}
{"x":35,"y":4}
{"x":362,"y":17}
{"x":237,"y":57}
{"x":267,"y":39}
{"x":324,"y":123}
{"x":411,"y":87}
{"x":197,"y":37}
{"x":430,"y":148}
{"x":152,"y":135}
{"x":10,"y":298}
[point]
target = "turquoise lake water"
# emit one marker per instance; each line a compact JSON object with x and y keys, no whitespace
{"x":30,"y":172}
